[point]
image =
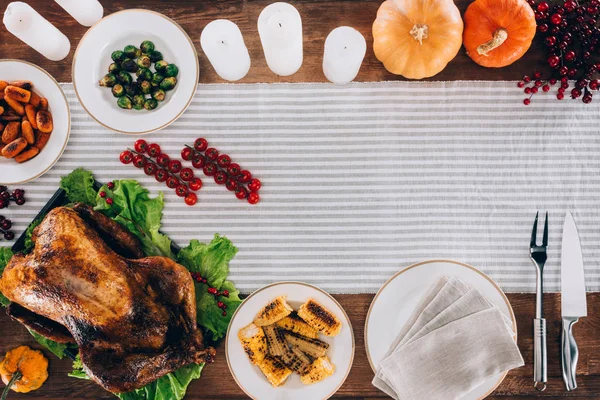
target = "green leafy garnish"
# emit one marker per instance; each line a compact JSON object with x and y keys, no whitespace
{"x":168,"y":387}
{"x":58,"y":349}
{"x":28,"y":243}
{"x":5,"y":256}
{"x":79,"y":186}
{"x":78,"y":371}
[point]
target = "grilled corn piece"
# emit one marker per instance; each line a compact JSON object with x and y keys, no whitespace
{"x":320,"y":318}
{"x":274,"y":311}
{"x":319,"y":370}
{"x":295,"y":324}
{"x":274,"y":370}
{"x":254,"y":342}
{"x":296,"y":360}
{"x":312,"y":347}
{"x":275,"y":340}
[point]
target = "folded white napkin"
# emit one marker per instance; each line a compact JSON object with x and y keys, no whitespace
{"x":454,"y":341}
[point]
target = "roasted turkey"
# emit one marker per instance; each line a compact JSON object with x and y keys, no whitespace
{"x":133,"y":319}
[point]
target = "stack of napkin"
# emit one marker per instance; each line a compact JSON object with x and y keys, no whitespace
{"x":455,"y":340}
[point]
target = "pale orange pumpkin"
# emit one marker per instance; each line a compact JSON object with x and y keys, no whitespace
{"x":417,"y":38}
{"x":498,"y":32}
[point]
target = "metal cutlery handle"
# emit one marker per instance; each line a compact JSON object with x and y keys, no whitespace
{"x":540,"y":375}
{"x":570,"y":353}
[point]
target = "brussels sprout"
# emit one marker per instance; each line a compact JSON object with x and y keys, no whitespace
{"x":171,"y":70}
{"x":150,"y":104}
{"x":157,"y":79}
{"x":117,"y":56}
{"x":168,"y":83}
{"x":144,"y":61}
{"x":160,"y":66}
{"x":132,"y":89}
{"x":158,"y":94}
{"x":118,"y":90}
{"x":145,"y":87}
{"x":124,"y":78}
{"x":124,"y":102}
{"x":113,"y":68}
{"x":147,"y":47}
{"x":138,"y":101}
{"x":129,"y":65}
{"x":155,"y":56}
{"x":132,"y":51}
{"x":109,"y":80}
{"x":144,"y":74}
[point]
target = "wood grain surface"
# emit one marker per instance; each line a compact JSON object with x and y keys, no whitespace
{"x":319,"y":18}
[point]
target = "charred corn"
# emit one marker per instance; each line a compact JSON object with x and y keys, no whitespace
{"x":254,"y":342}
{"x":312,"y":347}
{"x":274,"y":370}
{"x":295,"y":324}
{"x":274,"y":311}
{"x":275,"y":340}
{"x":295,"y":360}
{"x":320,"y":369}
{"x":320,"y":318}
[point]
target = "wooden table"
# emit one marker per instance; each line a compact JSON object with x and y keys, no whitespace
{"x":319,"y":18}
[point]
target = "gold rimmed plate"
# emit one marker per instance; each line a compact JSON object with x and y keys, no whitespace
{"x":249,"y":377}
{"x":401,"y":294}
{"x":45,"y":85}
{"x":114,"y":32}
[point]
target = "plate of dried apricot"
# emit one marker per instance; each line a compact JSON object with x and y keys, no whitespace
{"x":34,"y":121}
{"x":290,"y":340}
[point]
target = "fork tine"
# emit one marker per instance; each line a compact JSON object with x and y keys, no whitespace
{"x":545,"y":239}
{"x":532,"y":243}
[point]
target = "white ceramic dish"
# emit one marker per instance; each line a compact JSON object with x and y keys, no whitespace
{"x":394,"y":304}
{"x":114,"y":32}
{"x":249,"y":377}
{"x":45,"y":85}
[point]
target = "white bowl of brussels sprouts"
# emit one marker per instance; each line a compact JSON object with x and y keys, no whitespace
{"x":135,"y":71}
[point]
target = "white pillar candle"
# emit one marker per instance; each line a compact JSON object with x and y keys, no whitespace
{"x":223,"y":44}
{"x":86,"y":12}
{"x":280,"y":30}
{"x":28,"y":25}
{"x":345,"y":49}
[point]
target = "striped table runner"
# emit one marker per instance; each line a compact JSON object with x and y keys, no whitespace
{"x":362,"y":180}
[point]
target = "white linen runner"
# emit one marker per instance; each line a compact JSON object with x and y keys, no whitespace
{"x":362,"y":180}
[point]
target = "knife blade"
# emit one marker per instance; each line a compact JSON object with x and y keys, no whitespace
{"x":573,"y":298}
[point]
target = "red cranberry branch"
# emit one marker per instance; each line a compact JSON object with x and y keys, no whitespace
{"x":225,"y":293}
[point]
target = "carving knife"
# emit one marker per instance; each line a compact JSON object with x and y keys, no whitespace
{"x":573,"y":300}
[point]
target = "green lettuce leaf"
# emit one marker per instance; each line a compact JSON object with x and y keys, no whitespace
{"x":168,"y":387}
{"x":78,"y":371}
{"x":58,"y":349}
{"x":5,"y":256}
{"x":134,"y":209}
{"x":28,"y":243}
{"x":209,"y":315}
{"x":79,"y":186}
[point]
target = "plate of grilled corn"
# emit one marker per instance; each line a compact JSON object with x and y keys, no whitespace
{"x":290,"y":340}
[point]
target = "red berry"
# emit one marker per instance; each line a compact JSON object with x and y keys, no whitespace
{"x":546,"y":88}
{"x":126,"y":157}
{"x":537,"y":74}
{"x":153,"y":150}
{"x":102,"y":194}
{"x":254,"y":185}
{"x":186,"y":174}
{"x":527,"y":90}
{"x":526,"y":102}
{"x":553,"y":61}
{"x":109,"y":201}
{"x":561,"y":90}
{"x":220,"y":304}
{"x":538,"y":83}
{"x":198,"y":161}
{"x":543,"y":7}
{"x":587,"y":98}
{"x":570,"y":55}
{"x":195,"y":184}
{"x":139,"y":161}
{"x":172,"y":182}
{"x":560,"y":96}
{"x":163,"y":160}
{"x":212,"y":153}
{"x":212,"y":290}
{"x":200,"y":144}
{"x":150,"y":169}
{"x":534,"y":89}
{"x":241,"y":193}
{"x":570,"y":5}
{"x":553,"y":81}
{"x":575,"y":93}
{"x":226,"y":293}
{"x":161,"y":175}
{"x":526,"y":79}
{"x":542,"y":28}
{"x":550,"y":41}
{"x":231,"y":184}
{"x":186,"y":153}
{"x":181,"y":190}
{"x":220,"y":178}
{"x":245,"y":176}
{"x":556,"y":18}
{"x":234,"y":169}
{"x":140,"y":146}
{"x":594,"y":84}
{"x":210,"y":169}
{"x":191,"y":199}
{"x":253,"y":198}
{"x":110,"y":185}
{"x":223,"y":160}
{"x":563,"y":70}
{"x":521,"y":84}
{"x":174,"y":166}
{"x":224,"y":313}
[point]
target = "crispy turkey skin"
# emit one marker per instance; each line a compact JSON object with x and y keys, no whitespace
{"x":134,"y":320}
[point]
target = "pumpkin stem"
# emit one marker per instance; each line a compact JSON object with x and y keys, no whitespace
{"x":16,"y":376}
{"x":500,"y":35}
{"x":420,"y":32}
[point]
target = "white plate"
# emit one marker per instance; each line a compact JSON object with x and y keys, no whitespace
{"x":396,"y":300}
{"x":114,"y":32}
{"x":249,"y":377}
{"x":46,"y":86}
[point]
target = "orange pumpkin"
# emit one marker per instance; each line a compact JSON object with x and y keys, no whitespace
{"x":498,"y":32}
{"x":417,"y":38}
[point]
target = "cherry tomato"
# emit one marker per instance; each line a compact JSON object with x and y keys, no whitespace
{"x":174,"y":166}
{"x":163,"y":160}
{"x":212,"y":153}
{"x":139,"y":161}
{"x":254,"y":185}
{"x":234,"y":169}
{"x":191,"y":199}
{"x":181,"y":190}
{"x":220,"y":177}
{"x":198,"y":161}
{"x":195,"y":184}
{"x":200,"y":144}
{"x":223,"y":160}
{"x":126,"y":157}
{"x":231,"y":184}
{"x":153,"y":150}
{"x":186,"y":174}
{"x":186,"y":153}
{"x":253,"y":198}
{"x":245,"y":176}
{"x":210,"y":169}
{"x":241,"y":193}
{"x":140,"y":146}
